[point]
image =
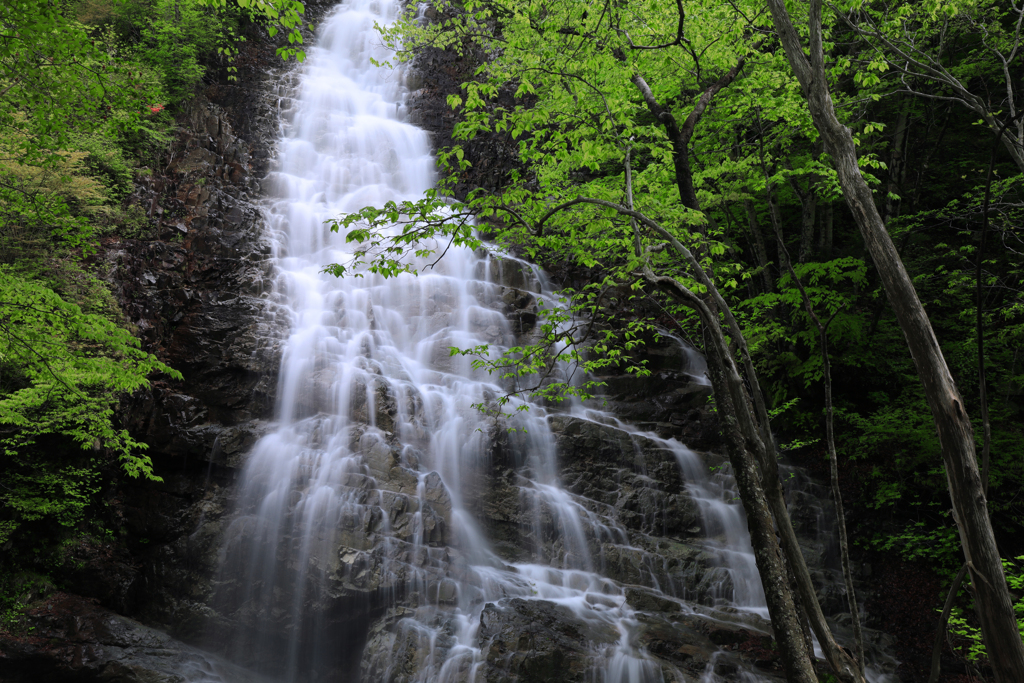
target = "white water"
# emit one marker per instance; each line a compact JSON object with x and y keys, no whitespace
{"x":375,"y":418}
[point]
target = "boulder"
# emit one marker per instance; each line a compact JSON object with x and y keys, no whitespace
{"x":68,"y":638}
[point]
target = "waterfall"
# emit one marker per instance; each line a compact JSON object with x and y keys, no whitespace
{"x":357,"y":543}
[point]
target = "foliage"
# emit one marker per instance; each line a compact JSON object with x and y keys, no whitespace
{"x":564,"y":87}
{"x":963,"y":51}
{"x":63,"y":372}
{"x":177,"y":34}
{"x":87,"y":92}
{"x":973,"y":647}
{"x":940,"y":547}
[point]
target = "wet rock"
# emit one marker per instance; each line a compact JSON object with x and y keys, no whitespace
{"x":534,"y":641}
{"x":436,"y":495}
{"x":638,"y":477}
{"x":679,"y":643}
{"x":68,"y":638}
{"x":651,"y":601}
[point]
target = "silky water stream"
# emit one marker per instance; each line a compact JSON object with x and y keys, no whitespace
{"x":357,"y":544}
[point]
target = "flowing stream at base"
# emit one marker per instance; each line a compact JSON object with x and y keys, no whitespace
{"x":378,"y":444}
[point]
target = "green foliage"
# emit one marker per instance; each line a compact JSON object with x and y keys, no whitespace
{"x":383,"y":252}
{"x":86,"y":89}
{"x":62,"y":372}
{"x":972,"y":647}
{"x":567,"y":355}
{"x":178,"y":34}
{"x":832,"y":287}
{"x":939,"y":546}
{"x":561,"y":86}
{"x":975,"y":646}
{"x":960,"y":50}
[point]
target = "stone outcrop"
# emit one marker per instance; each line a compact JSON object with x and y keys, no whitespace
{"x":69,"y":638}
{"x":195,"y":284}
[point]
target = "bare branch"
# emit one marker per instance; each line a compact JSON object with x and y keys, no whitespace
{"x":679,"y":39}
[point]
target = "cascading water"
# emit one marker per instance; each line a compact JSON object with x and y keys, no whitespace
{"x":362,"y":507}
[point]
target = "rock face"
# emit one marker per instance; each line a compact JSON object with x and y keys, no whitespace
{"x":69,"y":638}
{"x":193,"y":283}
{"x":549,"y":650}
{"x":200,"y":302}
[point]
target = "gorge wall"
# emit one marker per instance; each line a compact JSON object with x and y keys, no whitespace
{"x":444,"y":546}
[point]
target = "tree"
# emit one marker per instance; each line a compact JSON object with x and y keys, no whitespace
{"x":965,"y":52}
{"x":995,"y":609}
{"x":597,"y":93}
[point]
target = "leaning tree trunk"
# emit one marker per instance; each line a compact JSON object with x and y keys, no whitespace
{"x":956,"y":436}
{"x":986,"y":448}
{"x":794,"y":645}
{"x":794,"y":648}
{"x":750,"y":417}
{"x":771,"y":564}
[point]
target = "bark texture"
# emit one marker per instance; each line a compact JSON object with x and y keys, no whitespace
{"x":956,"y":437}
{"x":771,"y":565}
{"x":746,"y":423}
{"x":760,"y":251}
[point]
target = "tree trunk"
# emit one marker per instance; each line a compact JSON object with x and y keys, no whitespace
{"x":794,"y":645}
{"x":797,"y":658}
{"x":897,"y":166}
{"x":825,"y":236}
{"x":680,"y":136}
{"x":750,"y":418}
{"x":956,"y":437}
{"x":808,"y":206}
{"x":760,"y":251}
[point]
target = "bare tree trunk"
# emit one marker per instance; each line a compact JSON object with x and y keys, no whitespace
{"x":760,"y":251}
{"x":986,"y":447}
{"x":897,"y":166}
{"x":844,"y":667}
{"x":956,"y":438}
{"x":786,"y":623}
{"x":750,"y":418}
{"x":825,"y":236}
{"x":794,"y":647}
